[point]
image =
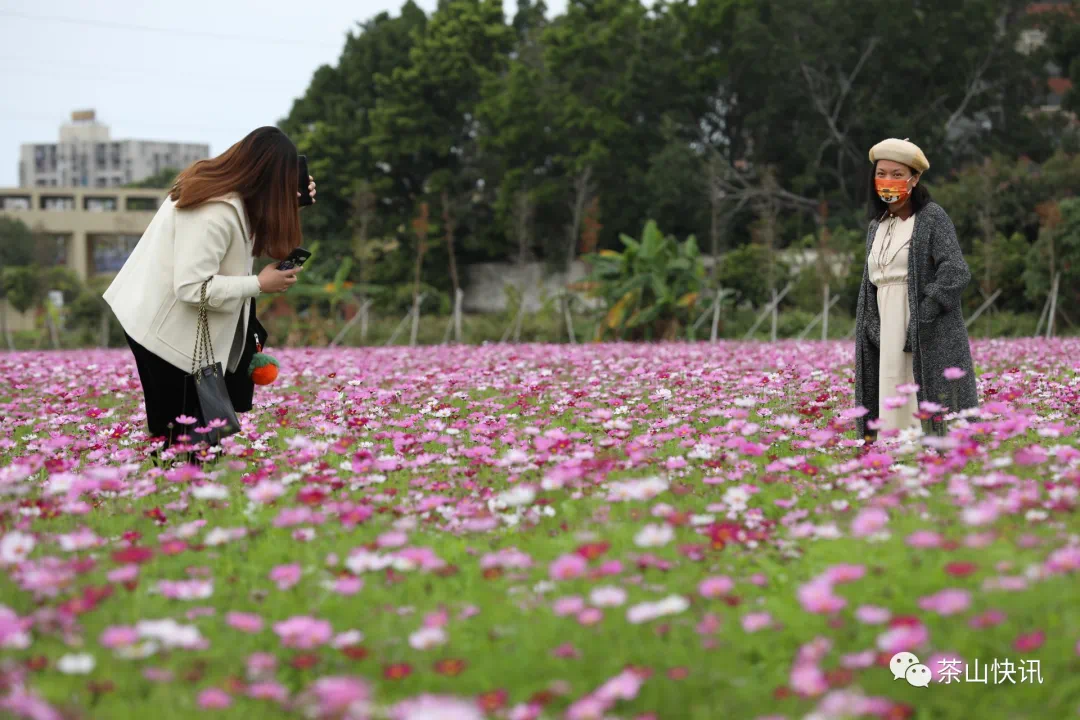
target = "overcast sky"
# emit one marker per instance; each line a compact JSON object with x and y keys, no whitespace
{"x":210,"y":72}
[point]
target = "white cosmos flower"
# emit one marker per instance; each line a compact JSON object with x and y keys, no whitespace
{"x":81,"y":664}
{"x":210,"y":492}
{"x":654,"y":536}
{"x":427,"y":638}
{"x":15,"y":547}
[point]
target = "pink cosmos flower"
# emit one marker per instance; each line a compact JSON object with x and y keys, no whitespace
{"x":266,"y":492}
{"x":894,"y":402}
{"x":715,"y":587}
{"x":753,"y":622}
{"x":286,"y":576}
{"x":904,"y":638}
{"x":869,"y":522}
{"x":244,"y":622}
{"x":607,"y":596}
{"x":872,"y":615}
{"x":817,"y":596}
{"x":214,"y":699}
{"x":590,"y":616}
{"x":392,"y":539}
{"x":954,"y":373}
{"x":340,"y":696}
{"x":568,"y":567}
{"x":260,"y":665}
{"x":808,"y":680}
{"x":118,"y":636}
{"x":427,"y":638}
{"x":268,"y":691}
{"x":186,"y":589}
{"x":858,"y":661}
{"x":984,"y":513}
{"x":348,"y":585}
{"x":26,"y":704}
{"x":1063,"y":560}
{"x":946,"y":602}
{"x":303,"y":633}
{"x":570,"y":605}
{"x":988,"y":619}
{"x":1030,"y":642}
{"x":838,"y":574}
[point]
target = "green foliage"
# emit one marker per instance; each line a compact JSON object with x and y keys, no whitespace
{"x":16,"y":243}
{"x":742,"y":270}
{"x":21,"y":287}
{"x":1057,"y":250}
{"x":650,"y":287}
{"x":999,"y":265}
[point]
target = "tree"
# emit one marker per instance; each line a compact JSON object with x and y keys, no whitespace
{"x":16,"y":251}
{"x":16,"y":243}
{"x":331,"y":124}
{"x":424,"y":127}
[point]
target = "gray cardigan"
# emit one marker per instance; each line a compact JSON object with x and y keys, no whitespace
{"x":937,"y":336}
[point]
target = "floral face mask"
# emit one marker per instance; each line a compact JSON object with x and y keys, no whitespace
{"x":892,"y":192}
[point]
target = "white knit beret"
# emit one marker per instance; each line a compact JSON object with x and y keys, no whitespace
{"x":901,"y":151}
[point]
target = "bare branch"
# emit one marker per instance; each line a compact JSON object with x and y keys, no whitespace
{"x":821,"y":99}
{"x":975,"y":87}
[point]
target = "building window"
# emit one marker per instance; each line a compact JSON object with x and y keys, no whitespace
{"x":109,"y":252}
{"x":142,"y":204}
{"x":52,"y":202}
{"x":100,"y":204}
{"x":100,"y":182}
{"x":15,"y":202}
{"x":99,"y":156}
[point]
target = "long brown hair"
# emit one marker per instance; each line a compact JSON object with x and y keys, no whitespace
{"x":263,"y":169}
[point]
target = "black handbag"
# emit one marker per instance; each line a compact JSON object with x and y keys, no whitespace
{"x":215,"y":409}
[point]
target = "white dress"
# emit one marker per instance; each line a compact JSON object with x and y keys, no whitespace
{"x":888,"y":266}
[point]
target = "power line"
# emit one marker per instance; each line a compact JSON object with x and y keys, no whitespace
{"x":85,"y":22}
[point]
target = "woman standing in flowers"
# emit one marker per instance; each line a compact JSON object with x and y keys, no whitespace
{"x":220,"y":215}
{"x":909,"y":326}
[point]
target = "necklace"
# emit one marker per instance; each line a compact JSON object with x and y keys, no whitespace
{"x":883,"y":259}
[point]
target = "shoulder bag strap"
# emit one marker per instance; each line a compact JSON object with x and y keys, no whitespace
{"x":204,"y":348}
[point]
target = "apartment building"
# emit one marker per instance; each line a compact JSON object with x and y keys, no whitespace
{"x":87,"y":156}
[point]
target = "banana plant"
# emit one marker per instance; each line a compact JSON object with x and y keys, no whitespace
{"x":650,"y":287}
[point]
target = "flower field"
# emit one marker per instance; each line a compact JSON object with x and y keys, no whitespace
{"x":682,"y":531}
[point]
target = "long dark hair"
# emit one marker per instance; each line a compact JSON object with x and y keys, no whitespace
{"x":876,"y":207}
{"x":263,"y":169}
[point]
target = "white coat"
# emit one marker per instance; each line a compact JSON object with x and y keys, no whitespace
{"x":155,"y":296}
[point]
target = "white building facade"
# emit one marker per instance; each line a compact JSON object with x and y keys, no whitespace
{"x":87,"y":156}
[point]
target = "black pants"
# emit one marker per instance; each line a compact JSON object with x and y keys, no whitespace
{"x":170,"y":392}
